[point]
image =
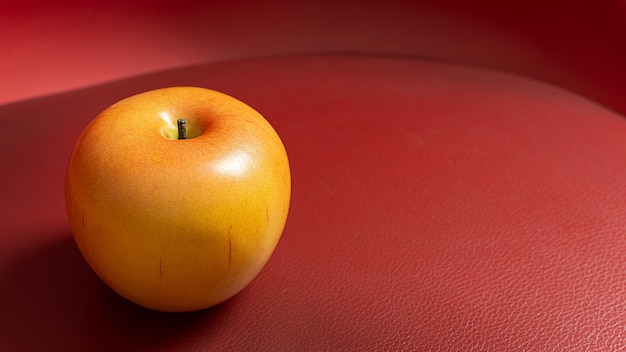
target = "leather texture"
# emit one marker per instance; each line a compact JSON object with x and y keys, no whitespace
{"x":436,"y":207}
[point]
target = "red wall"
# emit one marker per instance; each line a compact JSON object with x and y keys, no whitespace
{"x":49,"y":47}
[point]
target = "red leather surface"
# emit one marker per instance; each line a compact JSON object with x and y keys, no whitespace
{"x":435,"y":207}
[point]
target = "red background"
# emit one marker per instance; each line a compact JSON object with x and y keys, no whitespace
{"x":458,"y":171}
{"x":56,"y":46}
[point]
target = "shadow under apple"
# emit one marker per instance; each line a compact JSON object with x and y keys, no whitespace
{"x":51,"y":301}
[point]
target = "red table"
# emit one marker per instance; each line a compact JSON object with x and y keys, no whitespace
{"x":436,"y":206}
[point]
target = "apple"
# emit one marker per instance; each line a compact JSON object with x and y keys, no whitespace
{"x":177,"y":197}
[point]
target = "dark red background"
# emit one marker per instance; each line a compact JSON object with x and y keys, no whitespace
{"x":458,"y":171}
{"x":55,"y":46}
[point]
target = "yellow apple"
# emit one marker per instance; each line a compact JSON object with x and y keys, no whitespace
{"x":177,"y":197}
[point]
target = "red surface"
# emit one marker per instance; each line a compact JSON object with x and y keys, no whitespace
{"x":435,"y":206}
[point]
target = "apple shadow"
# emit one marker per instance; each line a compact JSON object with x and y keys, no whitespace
{"x":50,"y":300}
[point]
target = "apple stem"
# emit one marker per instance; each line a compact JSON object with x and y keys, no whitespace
{"x":182,"y":128}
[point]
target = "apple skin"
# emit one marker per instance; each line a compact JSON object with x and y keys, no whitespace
{"x":178,"y":225}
